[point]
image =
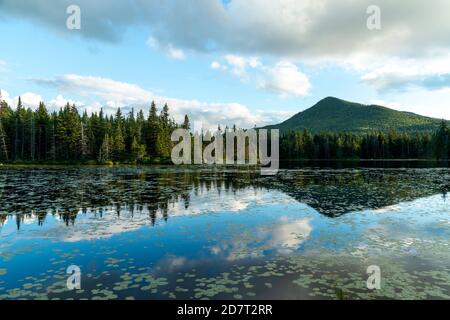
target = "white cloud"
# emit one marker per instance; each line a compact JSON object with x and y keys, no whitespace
{"x":389,"y":104}
{"x":29,"y":100}
{"x":60,"y":102}
{"x":32,"y":100}
{"x":394,"y":74}
{"x":286,"y":79}
{"x":421,"y":101}
{"x":5,"y":96}
{"x":217,"y":66}
{"x":414,"y":31}
{"x":110,"y":94}
{"x":278,"y":27}
{"x":238,"y":65}
{"x":121,"y":93}
{"x":168,"y":49}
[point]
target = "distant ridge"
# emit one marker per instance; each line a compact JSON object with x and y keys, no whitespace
{"x":335,"y":115}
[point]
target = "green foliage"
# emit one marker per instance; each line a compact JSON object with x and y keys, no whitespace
{"x":186,"y":123}
{"x":66,"y":136}
{"x":105,"y":150}
{"x":442,"y":142}
{"x":371,"y":145}
{"x":118,"y":141}
{"x":337,"y":129}
{"x":137,"y":150}
{"x":335,"y":115}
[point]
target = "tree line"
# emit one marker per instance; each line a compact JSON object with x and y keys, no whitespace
{"x":371,"y":145}
{"x":28,"y":135}
{"x":68,"y":136}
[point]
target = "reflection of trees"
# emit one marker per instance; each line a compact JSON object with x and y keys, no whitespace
{"x":34,"y":194}
{"x":31,"y":194}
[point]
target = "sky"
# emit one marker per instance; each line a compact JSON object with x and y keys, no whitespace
{"x":243,"y":62}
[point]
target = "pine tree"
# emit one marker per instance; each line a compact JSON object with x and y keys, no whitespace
{"x":165,"y":116}
{"x":137,"y":150}
{"x":140,"y":123}
{"x":53,"y":132}
{"x":118,"y":142}
{"x":105,"y":150}
{"x":32,"y":135}
{"x":3,"y":142}
{"x":83,"y":141}
{"x":442,"y":140}
{"x":152,"y":131}
{"x":5,"y":114}
{"x":18,"y":130}
{"x":42,"y":128}
{"x":186,"y":123}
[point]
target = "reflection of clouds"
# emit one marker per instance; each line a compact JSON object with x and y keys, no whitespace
{"x":203,"y":201}
{"x":92,"y":226}
{"x":172,"y":262}
{"x":360,"y":251}
{"x":285,"y":236}
{"x":407,"y":228}
{"x":387,"y":209}
{"x":237,"y":250}
{"x":289,"y":235}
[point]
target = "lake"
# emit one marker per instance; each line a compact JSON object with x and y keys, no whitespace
{"x":224,"y":233}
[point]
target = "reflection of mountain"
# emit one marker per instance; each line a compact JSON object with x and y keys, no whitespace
{"x":69,"y":193}
{"x":334,"y":193}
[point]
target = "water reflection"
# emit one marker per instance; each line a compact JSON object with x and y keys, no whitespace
{"x":202,"y":233}
{"x":103,"y":223}
{"x":288,"y":235}
{"x":144,"y":193}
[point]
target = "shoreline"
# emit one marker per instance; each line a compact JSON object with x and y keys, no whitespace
{"x":284,"y":164}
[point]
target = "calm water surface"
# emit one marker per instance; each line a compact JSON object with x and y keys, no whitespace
{"x":175,"y":233}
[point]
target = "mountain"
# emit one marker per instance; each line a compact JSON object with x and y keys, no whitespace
{"x":336,"y":115}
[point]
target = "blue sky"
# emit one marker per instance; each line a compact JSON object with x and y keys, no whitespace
{"x":222,"y":65}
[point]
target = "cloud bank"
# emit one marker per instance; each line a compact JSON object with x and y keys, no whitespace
{"x":281,"y":27}
{"x":284,"y":78}
{"x":411,"y":50}
{"x":97,"y":93}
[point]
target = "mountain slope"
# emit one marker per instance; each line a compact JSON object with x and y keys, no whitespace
{"x":336,"y":115}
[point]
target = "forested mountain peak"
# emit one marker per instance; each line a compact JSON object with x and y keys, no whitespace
{"x":336,"y":115}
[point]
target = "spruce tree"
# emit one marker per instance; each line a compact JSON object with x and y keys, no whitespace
{"x":137,"y":150}
{"x":153,"y":131}
{"x":186,"y":123}
{"x":105,"y":150}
